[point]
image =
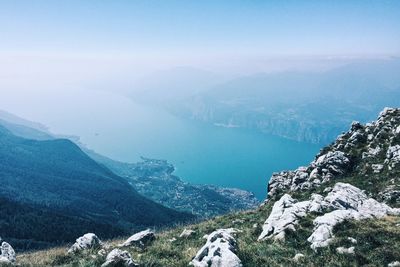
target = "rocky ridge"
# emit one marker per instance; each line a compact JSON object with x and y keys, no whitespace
{"x":370,"y":150}
{"x":344,"y":202}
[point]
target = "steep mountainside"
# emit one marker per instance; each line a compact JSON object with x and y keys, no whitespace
{"x":153,"y":178}
{"x":341,"y":210}
{"x":56,"y":177}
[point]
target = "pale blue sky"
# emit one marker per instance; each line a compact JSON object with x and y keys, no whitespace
{"x":85,"y":43}
{"x":186,"y":28}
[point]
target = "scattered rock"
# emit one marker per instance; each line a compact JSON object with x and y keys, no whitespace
{"x":119,"y":257}
{"x":7,"y":255}
{"x":219,"y":250}
{"x":298,"y":257}
{"x":186,"y":233}
{"x":343,"y":250}
{"x":346,"y":201}
{"x":394,"y":264}
{"x":377,"y":168}
{"x":141,"y":239}
{"x":102,"y":252}
{"x":87,"y":241}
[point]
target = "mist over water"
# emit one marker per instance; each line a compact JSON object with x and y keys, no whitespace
{"x":121,"y":129}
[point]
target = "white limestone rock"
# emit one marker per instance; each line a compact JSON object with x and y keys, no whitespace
{"x":372,"y":152}
{"x":343,"y":250}
{"x":377,"y":168}
{"x":141,"y":239}
{"x":394,"y":264}
{"x":393,"y":155}
{"x":343,"y":202}
{"x":286,"y":213}
{"x":219,"y":250}
{"x":87,"y":241}
{"x":333,"y":161}
{"x":186,"y":233}
{"x":298,"y":257}
{"x":349,"y":202}
{"x":119,"y":257}
{"x":7,"y":255}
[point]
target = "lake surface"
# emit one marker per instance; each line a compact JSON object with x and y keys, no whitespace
{"x":117,"y":127}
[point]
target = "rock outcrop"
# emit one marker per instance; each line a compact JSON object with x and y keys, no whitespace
{"x":286,"y":213}
{"x":141,"y":239}
{"x":344,"y":202}
{"x":365,"y":150}
{"x":119,"y":257}
{"x":7,"y":255}
{"x":219,"y":250}
{"x":87,"y":241}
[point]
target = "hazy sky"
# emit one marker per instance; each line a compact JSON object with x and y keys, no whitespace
{"x":74,"y":40}
{"x":190,"y":28}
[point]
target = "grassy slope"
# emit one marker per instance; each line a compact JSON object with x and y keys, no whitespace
{"x":378,"y":243}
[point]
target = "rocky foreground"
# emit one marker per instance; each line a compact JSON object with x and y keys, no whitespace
{"x":341,"y":210}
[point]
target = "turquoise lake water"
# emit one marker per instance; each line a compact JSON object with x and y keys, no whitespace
{"x":118,"y":128}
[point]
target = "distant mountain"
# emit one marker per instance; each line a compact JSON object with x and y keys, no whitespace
{"x":311,"y":107}
{"x":57,"y":177}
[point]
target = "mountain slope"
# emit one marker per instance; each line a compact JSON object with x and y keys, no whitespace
{"x":155,"y":179}
{"x":57,"y":175}
{"x":363,"y":229}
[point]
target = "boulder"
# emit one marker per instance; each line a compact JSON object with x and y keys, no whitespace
{"x":141,"y":239}
{"x":119,"y":257}
{"x":334,"y":161}
{"x":349,"y":202}
{"x":219,"y":250}
{"x":87,"y":241}
{"x":394,"y":264}
{"x":186,"y":233}
{"x":285,"y":215}
{"x":298,"y":257}
{"x":393,"y":155}
{"x":377,"y":168}
{"x":7,"y":255}
{"x":343,"y":250}
{"x":343,"y":202}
